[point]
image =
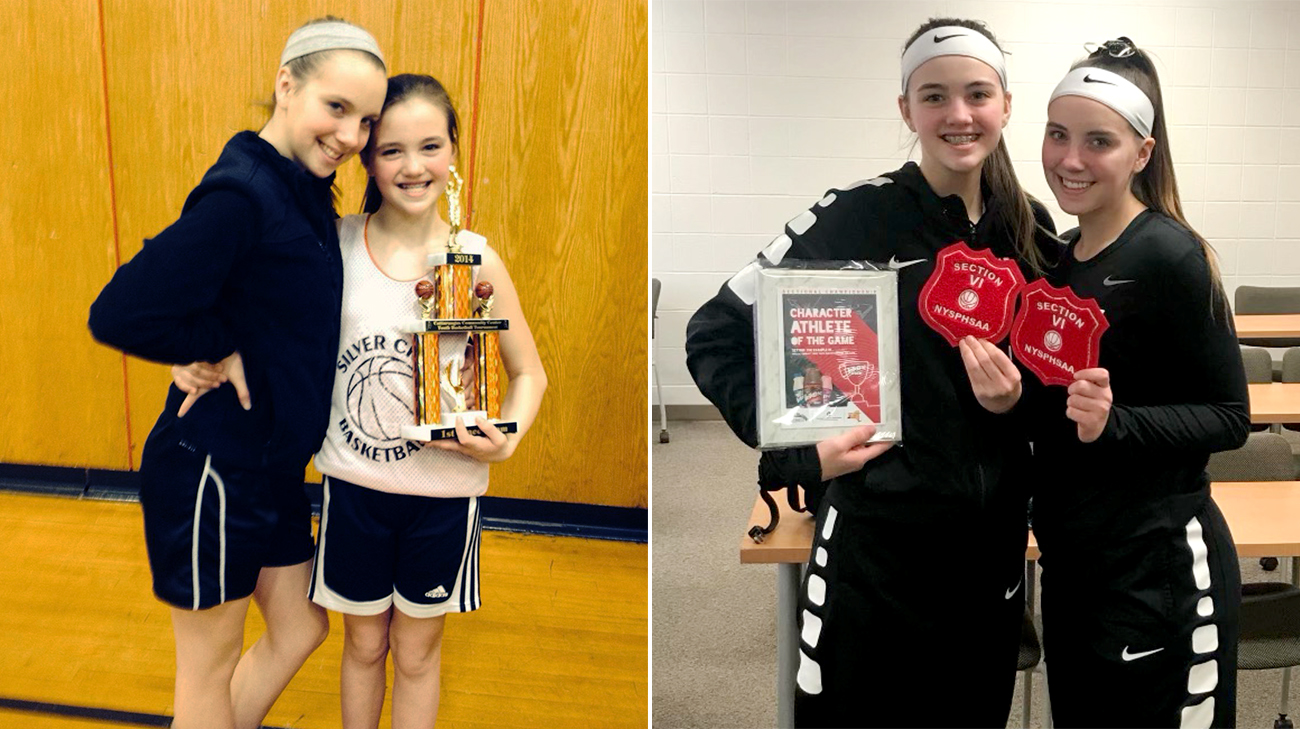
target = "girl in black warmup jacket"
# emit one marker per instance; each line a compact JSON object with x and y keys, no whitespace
{"x":954,"y":492}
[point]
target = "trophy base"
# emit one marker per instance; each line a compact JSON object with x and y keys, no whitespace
{"x":446,"y":430}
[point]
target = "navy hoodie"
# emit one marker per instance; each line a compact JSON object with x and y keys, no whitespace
{"x":253,"y":266}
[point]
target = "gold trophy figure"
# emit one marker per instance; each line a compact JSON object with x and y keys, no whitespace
{"x":472,"y":379}
{"x":456,"y":380}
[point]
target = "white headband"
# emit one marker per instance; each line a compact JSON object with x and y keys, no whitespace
{"x":953,"y":40}
{"x":1112,"y":90}
{"x":329,"y":36}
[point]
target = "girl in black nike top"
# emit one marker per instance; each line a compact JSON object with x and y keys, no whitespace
{"x":1141,"y":587}
{"x":955,"y":489}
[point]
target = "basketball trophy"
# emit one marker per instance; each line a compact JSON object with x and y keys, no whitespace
{"x":469,"y":382}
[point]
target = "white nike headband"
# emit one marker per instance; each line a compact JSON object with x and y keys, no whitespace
{"x":1112,"y":90}
{"x":953,"y":40}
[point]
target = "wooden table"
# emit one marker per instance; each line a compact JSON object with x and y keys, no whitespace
{"x":1264,"y":517}
{"x":1261,"y":326}
{"x":1275,"y":402}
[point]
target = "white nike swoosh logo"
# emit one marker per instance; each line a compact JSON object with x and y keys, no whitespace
{"x":896,"y":264}
{"x":1117,"y":281}
{"x":1015,"y":589}
{"x":1134,"y":656}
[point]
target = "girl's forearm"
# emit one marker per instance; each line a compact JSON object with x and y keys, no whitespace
{"x":523,"y":400}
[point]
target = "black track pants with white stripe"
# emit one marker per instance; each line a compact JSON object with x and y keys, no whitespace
{"x":1145,"y":634}
{"x":914,"y":624}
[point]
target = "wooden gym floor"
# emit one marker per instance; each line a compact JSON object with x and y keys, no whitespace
{"x":561,"y":639}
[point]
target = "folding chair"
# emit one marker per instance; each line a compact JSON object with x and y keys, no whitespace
{"x":1270,"y":611}
{"x":659,"y":390}
{"x":1267,"y":300}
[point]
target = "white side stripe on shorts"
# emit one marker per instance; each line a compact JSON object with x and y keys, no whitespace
{"x":1197,"y":716}
{"x":1203,"y":677}
{"x":829,"y":527}
{"x":318,"y":564}
{"x":809,"y":677}
{"x":816,"y":589}
{"x":469,"y":579}
{"x":220,"y":485}
{"x":1200,"y":554}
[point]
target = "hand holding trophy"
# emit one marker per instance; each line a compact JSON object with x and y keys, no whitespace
{"x":451,"y":303}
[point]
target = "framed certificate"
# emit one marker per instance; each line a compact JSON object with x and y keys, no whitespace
{"x":826,"y":344}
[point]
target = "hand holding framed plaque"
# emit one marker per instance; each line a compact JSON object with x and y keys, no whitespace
{"x":826,"y":344}
{"x":456,"y":312}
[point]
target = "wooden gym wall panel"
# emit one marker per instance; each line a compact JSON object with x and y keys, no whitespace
{"x":559,"y":189}
{"x":62,"y":400}
{"x":183,"y":77}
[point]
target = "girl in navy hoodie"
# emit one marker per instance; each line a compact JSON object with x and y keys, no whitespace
{"x":249,"y":276}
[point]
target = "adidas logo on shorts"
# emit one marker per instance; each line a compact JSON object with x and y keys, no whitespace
{"x":436,"y":592}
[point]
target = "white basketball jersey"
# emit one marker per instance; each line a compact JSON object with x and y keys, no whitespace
{"x":374,"y":388}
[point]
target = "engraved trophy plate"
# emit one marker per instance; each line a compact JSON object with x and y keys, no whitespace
{"x":452,"y":303}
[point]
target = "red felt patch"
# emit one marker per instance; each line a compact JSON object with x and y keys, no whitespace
{"x":970,"y":293}
{"x":1057,"y":333}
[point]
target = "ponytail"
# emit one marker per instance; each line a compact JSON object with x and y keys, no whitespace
{"x":1156,"y":185}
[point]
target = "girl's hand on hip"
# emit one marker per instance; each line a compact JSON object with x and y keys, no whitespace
{"x":197,"y":378}
{"x":849,"y":451}
{"x":1089,"y":402}
{"x":994,"y":378}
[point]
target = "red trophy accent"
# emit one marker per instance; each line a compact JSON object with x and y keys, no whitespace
{"x":970,"y":292}
{"x":1057,"y":333}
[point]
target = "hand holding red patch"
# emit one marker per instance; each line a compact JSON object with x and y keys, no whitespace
{"x":1056,"y":333}
{"x":970,"y":293}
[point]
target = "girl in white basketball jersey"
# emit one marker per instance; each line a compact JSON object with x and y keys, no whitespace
{"x":399,"y":534}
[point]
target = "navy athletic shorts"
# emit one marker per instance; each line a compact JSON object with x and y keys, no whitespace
{"x":378,"y":549}
{"x":211,"y":528}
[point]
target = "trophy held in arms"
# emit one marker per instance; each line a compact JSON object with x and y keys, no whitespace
{"x":451,"y":303}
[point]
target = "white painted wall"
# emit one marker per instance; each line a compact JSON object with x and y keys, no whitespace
{"x":758,"y":107}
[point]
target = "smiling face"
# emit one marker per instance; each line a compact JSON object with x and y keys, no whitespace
{"x":957,"y":107}
{"x":411,"y":156}
{"x":324,"y":119}
{"x":1090,"y":155}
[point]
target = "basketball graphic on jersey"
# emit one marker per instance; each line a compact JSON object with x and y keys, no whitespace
{"x":379,"y":394}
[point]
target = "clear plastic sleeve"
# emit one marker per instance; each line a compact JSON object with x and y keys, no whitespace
{"x":826,"y":344}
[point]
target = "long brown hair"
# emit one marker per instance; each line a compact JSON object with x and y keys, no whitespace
{"x":997,"y":170}
{"x":400,"y":88}
{"x":1155,"y":186}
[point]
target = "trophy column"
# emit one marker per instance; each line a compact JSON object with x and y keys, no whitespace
{"x":450,"y":303}
{"x":472,"y":382}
